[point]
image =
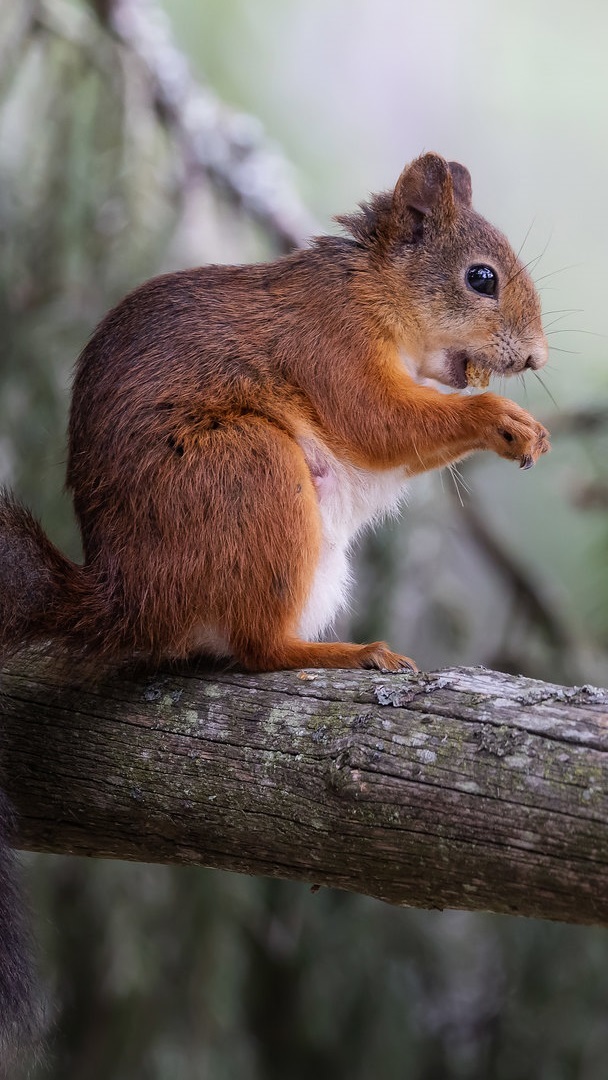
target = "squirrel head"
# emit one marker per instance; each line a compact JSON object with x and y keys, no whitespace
{"x":447,"y":284}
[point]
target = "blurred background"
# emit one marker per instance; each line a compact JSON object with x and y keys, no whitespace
{"x":137,"y":137}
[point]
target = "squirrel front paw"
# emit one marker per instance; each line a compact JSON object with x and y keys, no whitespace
{"x":511,"y":431}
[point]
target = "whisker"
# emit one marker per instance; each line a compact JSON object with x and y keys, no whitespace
{"x":571,"y":330}
{"x":535,"y":260}
{"x":450,"y":469}
{"x":523,"y":243}
{"x":554,"y":322}
{"x":561,"y":314}
{"x":545,"y":388}
{"x":571,"y":266}
{"x":461,"y":478}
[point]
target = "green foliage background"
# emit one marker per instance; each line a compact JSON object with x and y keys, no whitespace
{"x":179,"y":973}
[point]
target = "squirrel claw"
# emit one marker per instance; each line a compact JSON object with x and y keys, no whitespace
{"x":409,"y":665}
{"x":405,"y":664}
{"x":526,"y":462}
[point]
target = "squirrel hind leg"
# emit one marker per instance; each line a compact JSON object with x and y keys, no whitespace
{"x":293,"y":653}
{"x":257,"y":594}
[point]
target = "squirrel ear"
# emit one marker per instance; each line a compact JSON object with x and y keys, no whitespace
{"x":461,"y":182}
{"x":423,"y":190}
{"x":425,"y":195}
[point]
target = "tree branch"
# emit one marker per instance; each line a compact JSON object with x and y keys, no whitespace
{"x":586,"y":420}
{"x":463,"y":789}
{"x":230,"y":148}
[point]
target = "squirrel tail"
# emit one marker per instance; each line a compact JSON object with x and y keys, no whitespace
{"x":44,"y":596}
{"x":21,"y":1011}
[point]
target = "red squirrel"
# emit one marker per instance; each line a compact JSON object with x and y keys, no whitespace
{"x":234,"y":427}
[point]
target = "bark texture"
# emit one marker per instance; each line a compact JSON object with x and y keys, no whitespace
{"x":464,"y":788}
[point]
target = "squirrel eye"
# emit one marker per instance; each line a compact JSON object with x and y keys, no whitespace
{"x":482,"y":279}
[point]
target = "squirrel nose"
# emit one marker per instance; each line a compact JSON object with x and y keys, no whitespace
{"x":537,"y":358}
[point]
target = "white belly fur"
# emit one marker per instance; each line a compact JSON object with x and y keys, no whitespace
{"x":349,"y":499}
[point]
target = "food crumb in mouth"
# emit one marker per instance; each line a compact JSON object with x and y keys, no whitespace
{"x":477,"y":376}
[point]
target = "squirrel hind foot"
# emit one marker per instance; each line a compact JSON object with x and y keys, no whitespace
{"x":295,"y":654}
{"x":379,"y":656}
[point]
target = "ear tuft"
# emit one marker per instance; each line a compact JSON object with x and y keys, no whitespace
{"x":461,"y":182}
{"x":370,"y":226}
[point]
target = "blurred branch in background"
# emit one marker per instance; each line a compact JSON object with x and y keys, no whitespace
{"x":228,"y":147}
{"x":588,"y":420}
{"x":529,"y":598}
{"x":115,"y":163}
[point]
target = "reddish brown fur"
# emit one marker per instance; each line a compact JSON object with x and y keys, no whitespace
{"x":194,"y":497}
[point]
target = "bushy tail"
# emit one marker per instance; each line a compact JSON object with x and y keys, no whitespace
{"x":21,"y":1013}
{"x":44,"y":597}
